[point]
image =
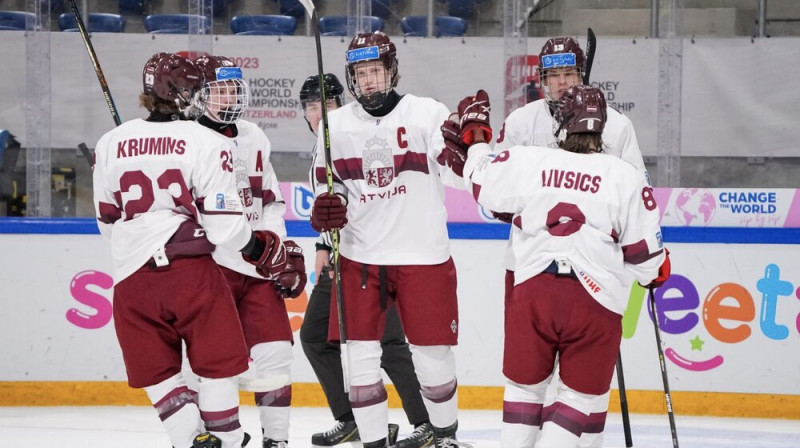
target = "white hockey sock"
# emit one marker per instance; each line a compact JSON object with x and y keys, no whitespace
{"x":592,"y":436}
{"x":219,"y":408}
{"x":563,"y":422}
{"x":367,"y":392}
{"x":177,"y":408}
{"x":436,"y":371}
{"x":522,"y":414}
{"x":272,"y":363}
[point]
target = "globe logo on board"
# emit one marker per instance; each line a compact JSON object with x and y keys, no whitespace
{"x":695,"y":207}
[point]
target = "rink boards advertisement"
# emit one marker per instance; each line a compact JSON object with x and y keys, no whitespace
{"x":757,"y":119}
{"x":729,"y":314}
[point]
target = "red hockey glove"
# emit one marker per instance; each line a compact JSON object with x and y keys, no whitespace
{"x":663,"y":272}
{"x":292,"y":280}
{"x":473,"y":111}
{"x":503,"y":217}
{"x":329,"y":212}
{"x":266,"y":253}
{"x":454,"y":154}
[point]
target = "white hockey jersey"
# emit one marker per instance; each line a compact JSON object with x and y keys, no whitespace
{"x":258,"y":190}
{"x":152,"y":177}
{"x":593,"y":210}
{"x":534,"y":125}
{"x":387,"y":169}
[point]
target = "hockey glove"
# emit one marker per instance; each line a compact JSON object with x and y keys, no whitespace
{"x":292,"y":280}
{"x":329,"y":212}
{"x":663,"y":272}
{"x":454,"y":154}
{"x":266,"y":253}
{"x":473,"y":112}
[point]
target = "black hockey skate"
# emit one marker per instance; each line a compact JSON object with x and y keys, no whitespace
{"x":392,"y":439}
{"x":206,"y":440}
{"x":269,"y":443}
{"x":393,"y":430}
{"x":343,"y":432}
{"x":446,"y":437}
{"x":420,"y":438}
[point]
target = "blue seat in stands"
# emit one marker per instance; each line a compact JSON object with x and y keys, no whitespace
{"x":98,"y":22}
{"x":264,"y":25}
{"x":461,"y":8}
{"x":132,"y":6}
{"x":443,"y":26}
{"x":337,"y":25}
{"x":15,"y":20}
{"x":176,"y":24}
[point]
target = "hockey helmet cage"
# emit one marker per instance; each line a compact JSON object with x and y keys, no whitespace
{"x":367,"y":47}
{"x":225,"y":88}
{"x":559,"y":52}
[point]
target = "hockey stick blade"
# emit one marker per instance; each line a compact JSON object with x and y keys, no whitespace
{"x":87,"y":153}
{"x":591,"y":47}
{"x":309,"y":6}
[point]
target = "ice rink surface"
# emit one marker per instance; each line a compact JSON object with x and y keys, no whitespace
{"x":129,"y":427}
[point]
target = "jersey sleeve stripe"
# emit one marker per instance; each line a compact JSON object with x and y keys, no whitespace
{"x":637,"y":253}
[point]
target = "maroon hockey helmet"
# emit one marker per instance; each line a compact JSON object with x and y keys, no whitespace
{"x":225,"y":88}
{"x":366,"y":47}
{"x":559,"y":52}
{"x":149,"y":70}
{"x":581,"y":110}
{"x":209,"y":64}
{"x":178,"y":79}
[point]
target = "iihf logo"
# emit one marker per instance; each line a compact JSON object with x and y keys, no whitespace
{"x":378,"y":163}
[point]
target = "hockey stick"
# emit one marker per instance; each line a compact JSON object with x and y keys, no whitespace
{"x":95,"y":63}
{"x":667,"y":396}
{"x":326,"y":139}
{"x":623,"y":404}
{"x":591,"y":47}
{"x":100,"y":77}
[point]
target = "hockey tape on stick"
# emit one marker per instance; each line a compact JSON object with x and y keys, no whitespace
{"x":309,"y":6}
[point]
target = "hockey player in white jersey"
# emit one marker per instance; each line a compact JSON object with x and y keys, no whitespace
{"x":323,"y":355}
{"x":259,"y":301}
{"x":586,"y":223}
{"x":389,"y":203}
{"x":164,"y":194}
{"x":561,"y":63}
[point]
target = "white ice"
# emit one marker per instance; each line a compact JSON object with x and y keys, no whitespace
{"x":133,"y":426}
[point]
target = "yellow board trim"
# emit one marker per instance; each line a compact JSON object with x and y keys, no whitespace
{"x":117,"y":393}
